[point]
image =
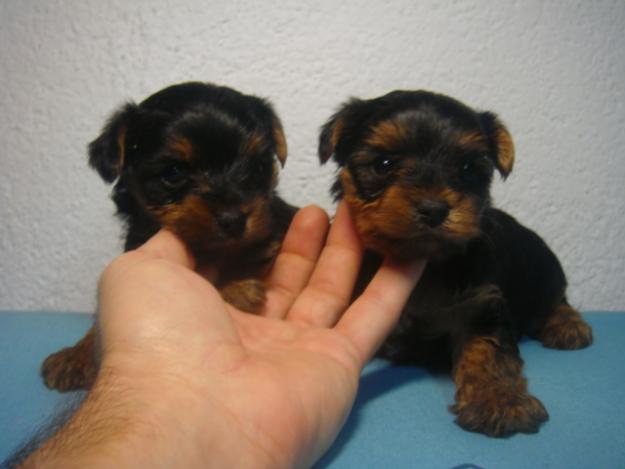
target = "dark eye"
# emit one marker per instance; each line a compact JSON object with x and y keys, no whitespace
{"x":174,"y":175}
{"x":258,"y":176}
{"x":473,"y":170}
{"x":382,"y":165}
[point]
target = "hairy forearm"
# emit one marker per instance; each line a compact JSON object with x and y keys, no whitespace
{"x":109,"y":424}
{"x":124,"y":424}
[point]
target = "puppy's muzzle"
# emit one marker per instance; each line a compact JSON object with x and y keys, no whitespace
{"x":432,"y":212}
{"x":232,"y":222}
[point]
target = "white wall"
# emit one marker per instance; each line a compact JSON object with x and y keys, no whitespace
{"x":554,"y":71}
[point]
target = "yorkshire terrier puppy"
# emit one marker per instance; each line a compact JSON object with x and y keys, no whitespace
{"x":415,"y":170}
{"x":199,"y":160}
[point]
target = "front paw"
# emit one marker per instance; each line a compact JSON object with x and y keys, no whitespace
{"x":566,"y":330}
{"x":68,"y":370}
{"x":499,"y":411}
{"x":248,"y":295}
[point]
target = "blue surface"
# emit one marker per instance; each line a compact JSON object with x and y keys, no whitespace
{"x":400,"y":419}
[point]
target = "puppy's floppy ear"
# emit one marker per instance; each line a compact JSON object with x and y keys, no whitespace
{"x":107,"y":152}
{"x":280,"y":139}
{"x":501,"y":143}
{"x":334,"y":133}
{"x":268,"y":120}
{"x":330,"y":135}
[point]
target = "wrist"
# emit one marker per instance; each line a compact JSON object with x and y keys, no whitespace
{"x":130,"y":422}
{"x":178,"y":422}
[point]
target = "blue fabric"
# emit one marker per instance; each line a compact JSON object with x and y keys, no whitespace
{"x":400,"y":419}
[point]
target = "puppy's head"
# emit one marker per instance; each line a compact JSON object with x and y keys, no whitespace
{"x":197,"y":159}
{"x":415,"y":169}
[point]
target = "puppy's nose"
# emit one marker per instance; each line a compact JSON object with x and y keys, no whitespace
{"x":232,"y":222}
{"x":433,"y":212}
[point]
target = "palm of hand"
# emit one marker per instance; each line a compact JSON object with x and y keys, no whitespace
{"x":283,"y":382}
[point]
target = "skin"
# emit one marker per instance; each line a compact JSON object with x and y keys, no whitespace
{"x":189,"y":381}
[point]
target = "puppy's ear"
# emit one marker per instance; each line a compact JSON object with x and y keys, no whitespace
{"x":107,"y":152}
{"x":280,"y":139}
{"x":329,"y":137}
{"x":271,"y":126}
{"x":501,"y":143}
{"x":334,"y":133}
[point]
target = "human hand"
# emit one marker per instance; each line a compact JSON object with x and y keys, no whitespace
{"x":191,"y":381}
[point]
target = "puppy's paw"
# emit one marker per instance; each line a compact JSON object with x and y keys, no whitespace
{"x":566,"y":330}
{"x":247,"y":295}
{"x":68,"y":370}
{"x":499,"y":411}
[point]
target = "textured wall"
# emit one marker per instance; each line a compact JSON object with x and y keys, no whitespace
{"x":552,"y":70}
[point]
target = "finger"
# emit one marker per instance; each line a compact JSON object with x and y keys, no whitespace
{"x":296,"y":260}
{"x":331,"y":284}
{"x":370,"y":319}
{"x":166,"y":245}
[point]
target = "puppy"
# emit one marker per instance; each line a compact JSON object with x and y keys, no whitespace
{"x":199,"y":160}
{"x":415,"y":170}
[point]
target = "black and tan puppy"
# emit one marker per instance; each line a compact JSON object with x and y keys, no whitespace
{"x":415,"y":169}
{"x":199,"y":160}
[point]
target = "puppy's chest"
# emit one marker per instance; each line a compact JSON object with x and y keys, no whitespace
{"x":429,"y":312}
{"x":252,"y":261}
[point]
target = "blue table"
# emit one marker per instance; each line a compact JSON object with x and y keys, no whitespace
{"x":400,"y":419}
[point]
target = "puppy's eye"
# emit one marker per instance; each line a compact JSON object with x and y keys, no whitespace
{"x":174,"y":175}
{"x":473,"y":170}
{"x":258,"y":177}
{"x":382,"y":165}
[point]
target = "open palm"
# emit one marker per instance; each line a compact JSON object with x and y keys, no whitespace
{"x":271,"y":390}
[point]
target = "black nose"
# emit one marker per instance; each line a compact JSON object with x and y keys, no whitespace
{"x":433,"y":212}
{"x":232,"y":222}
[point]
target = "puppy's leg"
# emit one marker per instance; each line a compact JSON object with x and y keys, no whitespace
{"x":491,"y":392}
{"x":72,"y":368}
{"x":565,"y":329}
{"x":246,"y":294}
{"x":491,"y":395}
